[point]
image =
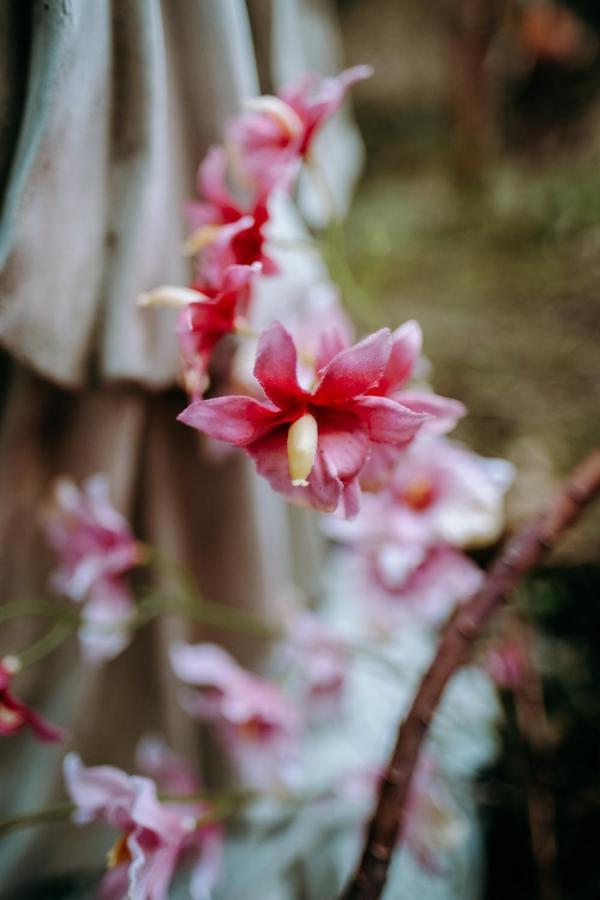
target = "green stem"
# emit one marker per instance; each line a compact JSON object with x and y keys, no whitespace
{"x":356,"y":297}
{"x":37,"y":608}
{"x":37,"y":817}
{"x":46,"y":645}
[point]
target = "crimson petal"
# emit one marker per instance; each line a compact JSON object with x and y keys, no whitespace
{"x":236,"y":420}
{"x":275,"y":367}
{"x":389,"y":422}
{"x":354,"y":371}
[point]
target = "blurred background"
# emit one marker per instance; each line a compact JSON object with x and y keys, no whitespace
{"x":479,"y":215}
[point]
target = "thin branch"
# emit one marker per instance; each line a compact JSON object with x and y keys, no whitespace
{"x":523,"y":552}
{"x":535,"y":731}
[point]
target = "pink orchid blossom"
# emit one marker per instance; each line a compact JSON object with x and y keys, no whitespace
{"x":16,"y":715}
{"x":206,"y":315}
{"x":226,"y":232}
{"x":269,"y":140}
{"x":155,"y":837}
{"x":440,"y":492}
{"x":106,"y":618}
{"x":240,"y":244}
{"x":92,"y":540}
{"x":426,"y":582}
{"x":311,"y":445}
{"x":450,"y":493}
{"x":256,"y":723}
{"x":322,"y":660}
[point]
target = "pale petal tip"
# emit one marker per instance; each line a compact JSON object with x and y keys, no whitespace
{"x":12,"y":664}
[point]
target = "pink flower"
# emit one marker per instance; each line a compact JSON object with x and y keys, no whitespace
{"x":443,"y":412}
{"x":226,"y":232}
{"x":106,"y":618}
{"x":218,"y":206}
{"x":16,"y":715}
{"x":92,"y":539}
{"x":271,"y":138}
{"x":322,"y":660}
{"x":207,"y":314}
{"x":422,"y":582}
{"x":257,"y":724}
{"x":450,"y":493}
{"x":311,"y":445}
{"x":155,"y":837}
{"x":439,"y":492}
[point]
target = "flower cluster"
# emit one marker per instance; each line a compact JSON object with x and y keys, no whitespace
{"x":341,"y":425}
{"x":407,"y":544}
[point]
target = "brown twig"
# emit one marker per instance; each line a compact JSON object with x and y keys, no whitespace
{"x":522,"y":552}
{"x":532,"y":723}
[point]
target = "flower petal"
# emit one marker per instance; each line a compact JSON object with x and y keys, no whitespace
{"x":406,"y":348}
{"x":270,"y":456}
{"x":444,"y":412}
{"x":389,"y":422}
{"x":344,"y":443}
{"x":354,"y":371}
{"x":276,"y":364}
{"x":236,"y":420}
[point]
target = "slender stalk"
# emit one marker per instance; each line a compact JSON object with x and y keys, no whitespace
{"x":37,"y":817}
{"x":37,"y":608}
{"x":356,"y":297}
{"x":523,"y":552}
{"x":46,"y":645}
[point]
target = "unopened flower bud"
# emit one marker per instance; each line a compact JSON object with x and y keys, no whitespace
{"x":302,"y":447}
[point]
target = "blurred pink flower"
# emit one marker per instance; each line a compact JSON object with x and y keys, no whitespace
{"x":203,"y":323}
{"x":322,"y":660}
{"x":257,"y":724}
{"x":311,"y":446}
{"x":273,"y":135}
{"x":241,"y":243}
{"x":93,"y":541}
{"x":16,"y":715}
{"x":218,"y":206}
{"x":155,"y":837}
{"x":439,"y":492}
{"x":226,"y":232}
{"x":450,"y":493}
{"x":423,"y":582}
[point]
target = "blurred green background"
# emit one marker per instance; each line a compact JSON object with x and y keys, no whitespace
{"x":479,"y":215}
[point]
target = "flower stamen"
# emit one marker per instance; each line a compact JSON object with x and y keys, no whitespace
{"x":302,"y":441}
